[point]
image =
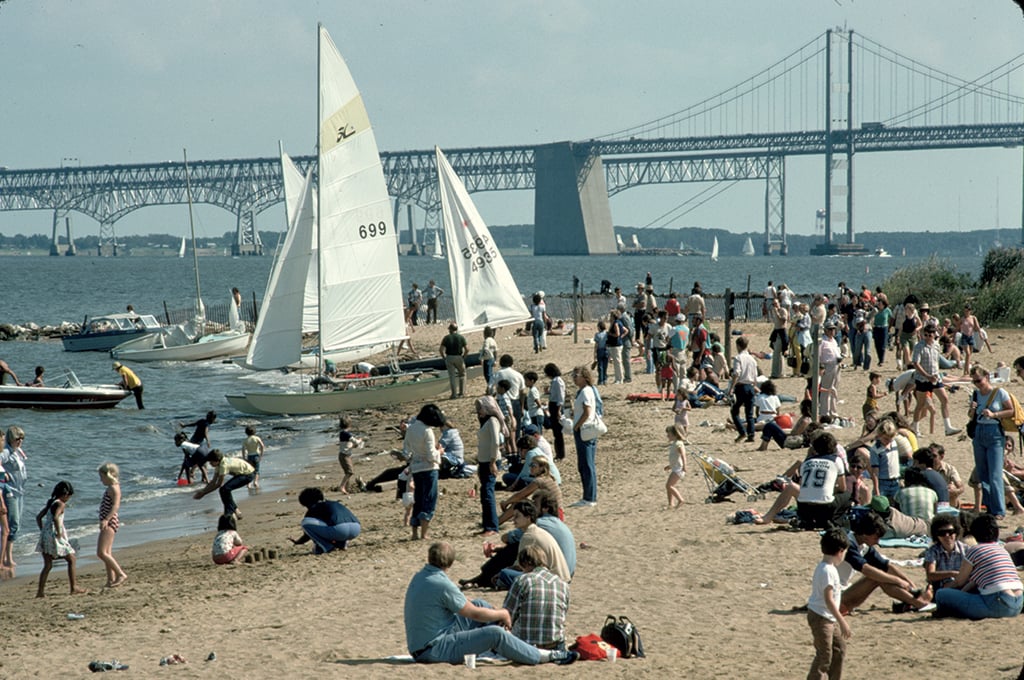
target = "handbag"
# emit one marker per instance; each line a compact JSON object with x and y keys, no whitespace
{"x":593,"y":429}
{"x":623,"y":635}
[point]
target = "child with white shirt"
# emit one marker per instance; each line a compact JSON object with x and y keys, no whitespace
{"x":823,"y":613}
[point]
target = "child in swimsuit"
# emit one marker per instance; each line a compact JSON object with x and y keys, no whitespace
{"x":109,"y":524}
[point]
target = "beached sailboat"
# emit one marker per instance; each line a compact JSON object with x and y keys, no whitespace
{"x":714,"y":250}
{"x":483,"y":290}
{"x":188,"y":341}
{"x":748,"y":248}
{"x":358,"y":280}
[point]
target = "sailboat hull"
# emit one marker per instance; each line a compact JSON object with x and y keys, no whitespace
{"x":148,"y":348}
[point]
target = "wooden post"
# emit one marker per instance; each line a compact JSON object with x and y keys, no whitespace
{"x":577,"y":305}
{"x":727,"y":337}
{"x":746,"y":313}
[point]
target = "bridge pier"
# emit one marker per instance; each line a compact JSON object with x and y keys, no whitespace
{"x":572,"y":215}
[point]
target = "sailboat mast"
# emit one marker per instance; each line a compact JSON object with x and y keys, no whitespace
{"x":192,"y":230}
{"x":319,"y":200}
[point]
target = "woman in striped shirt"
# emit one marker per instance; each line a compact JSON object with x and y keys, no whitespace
{"x":999,"y":592}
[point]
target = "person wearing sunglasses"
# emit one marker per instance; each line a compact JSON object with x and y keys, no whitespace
{"x":943,"y":559}
{"x":928,"y":380}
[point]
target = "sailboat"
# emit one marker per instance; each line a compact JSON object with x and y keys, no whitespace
{"x":714,"y":250}
{"x":188,"y":341}
{"x":435,"y":251}
{"x":360,"y":302}
{"x":748,"y":248}
{"x":181,"y":248}
{"x":483,"y":290}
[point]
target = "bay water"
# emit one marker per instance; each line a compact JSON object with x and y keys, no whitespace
{"x":70,"y":445}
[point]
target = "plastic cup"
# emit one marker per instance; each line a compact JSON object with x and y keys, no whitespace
{"x":613,"y":654}
{"x":469,"y":660}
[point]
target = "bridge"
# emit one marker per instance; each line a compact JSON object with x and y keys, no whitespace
{"x":842,"y":93}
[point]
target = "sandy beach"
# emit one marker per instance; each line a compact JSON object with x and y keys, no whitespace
{"x":710,"y":599}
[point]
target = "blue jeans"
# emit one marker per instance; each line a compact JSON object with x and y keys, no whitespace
{"x":424,"y":497}
{"x":602,"y":366}
{"x":775,"y":433}
{"x":466,"y":636}
{"x":1001,"y":605}
{"x":236,"y":482}
{"x":860,"y":345}
{"x":586,"y":453}
{"x":488,"y":370}
{"x":538,"y":336}
{"x":744,"y":397}
{"x":988,"y":459}
{"x":14,"y":506}
{"x":488,"y":505}
{"x":506,"y":577}
{"x":881,"y":337}
{"x":328,"y":538}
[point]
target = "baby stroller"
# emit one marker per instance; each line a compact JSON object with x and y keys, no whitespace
{"x":722,"y":480}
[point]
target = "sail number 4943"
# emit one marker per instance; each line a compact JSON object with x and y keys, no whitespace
{"x":371,"y":230}
{"x":481,"y":252}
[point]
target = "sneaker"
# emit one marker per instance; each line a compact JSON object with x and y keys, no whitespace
{"x":930,"y":607}
{"x":564,"y":657}
{"x":750,"y":438}
{"x":950,"y":431}
{"x":583,"y":504}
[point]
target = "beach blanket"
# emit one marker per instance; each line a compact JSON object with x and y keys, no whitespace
{"x":908,"y":542}
{"x":645,"y":396}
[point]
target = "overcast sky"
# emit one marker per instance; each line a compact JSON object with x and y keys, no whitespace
{"x":116,"y":81}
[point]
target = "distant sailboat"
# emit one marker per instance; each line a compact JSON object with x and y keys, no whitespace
{"x":181,"y":248}
{"x":748,"y":248}
{"x":714,"y":250}
{"x":435,"y":251}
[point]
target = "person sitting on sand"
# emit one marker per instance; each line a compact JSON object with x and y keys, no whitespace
{"x":537,"y":602}
{"x":876,"y":570}
{"x":774,"y":430}
{"x":227,"y":544}
{"x":823,"y":496}
{"x":987,"y":584}
{"x":442,"y":626}
{"x":229,"y":474}
{"x":525,"y":515}
{"x":541,"y":481}
{"x":329,"y":524}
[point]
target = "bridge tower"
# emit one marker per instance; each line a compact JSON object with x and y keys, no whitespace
{"x":838,"y":160}
{"x":572,"y":215}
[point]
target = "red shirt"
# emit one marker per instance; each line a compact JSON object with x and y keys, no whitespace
{"x":672,"y":307}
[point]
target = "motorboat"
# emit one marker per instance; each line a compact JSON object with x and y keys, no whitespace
{"x":65,"y":392}
{"x":103,"y":333}
{"x":882,"y":252}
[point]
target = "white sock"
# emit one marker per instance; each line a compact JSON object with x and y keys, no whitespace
{"x":545,"y":655}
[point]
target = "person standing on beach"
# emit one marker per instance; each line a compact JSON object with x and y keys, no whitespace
{"x":12,"y":460}
{"x":415,"y":299}
{"x":453,"y":349}
{"x":556,"y":398}
{"x":424,"y":463}
{"x":109,"y":523}
{"x":346,"y":442}
{"x":586,"y":408}
{"x":229,"y":474}
{"x":493,"y":431}
{"x":823,"y":615}
{"x":442,"y":626}
{"x":253,"y":450}
{"x":53,"y":538}
{"x":434,"y":292}
{"x":130,"y":382}
{"x":743,"y":386}
{"x":928,"y":380}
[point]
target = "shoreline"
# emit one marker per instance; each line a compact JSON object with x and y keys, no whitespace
{"x":702,"y":593}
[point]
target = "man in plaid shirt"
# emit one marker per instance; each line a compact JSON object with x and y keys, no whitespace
{"x":537,"y":602}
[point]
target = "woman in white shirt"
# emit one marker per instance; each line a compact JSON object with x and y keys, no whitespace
{"x":424,"y":462}
{"x":585,"y":410}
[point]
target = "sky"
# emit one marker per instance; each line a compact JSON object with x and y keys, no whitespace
{"x":109,"y":81}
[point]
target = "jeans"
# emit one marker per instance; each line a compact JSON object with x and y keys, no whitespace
{"x":465,"y":636}
{"x":957,"y":603}
{"x":586,"y":453}
{"x":860,"y":346}
{"x":506,"y":577}
{"x":744,"y":397}
{"x":14,"y":507}
{"x":424,"y":497}
{"x":775,"y":433}
{"x":988,"y":459}
{"x":555,"y":416}
{"x":327,"y":538}
{"x":602,"y":366}
{"x":488,"y":370}
{"x":236,"y":482}
{"x":539,"y":342}
{"x":881,"y":336}
{"x":488,"y":505}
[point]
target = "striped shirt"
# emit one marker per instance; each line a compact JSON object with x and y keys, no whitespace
{"x":537,"y":603}
{"x":993,"y":568}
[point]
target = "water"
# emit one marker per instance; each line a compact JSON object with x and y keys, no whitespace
{"x":71,"y":445}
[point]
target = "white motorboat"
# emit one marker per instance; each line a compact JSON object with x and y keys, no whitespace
{"x":102,"y":333}
{"x":65,"y":392}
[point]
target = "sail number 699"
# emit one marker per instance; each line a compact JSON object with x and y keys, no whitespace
{"x":371,"y":230}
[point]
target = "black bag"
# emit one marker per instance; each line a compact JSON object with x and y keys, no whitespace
{"x":972,"y":425}
{"x":791,"y":361}
{"x":805,"y":366}
{"x":623,"y":635}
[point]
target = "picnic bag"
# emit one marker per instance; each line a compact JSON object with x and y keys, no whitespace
{"x":623,"y":635}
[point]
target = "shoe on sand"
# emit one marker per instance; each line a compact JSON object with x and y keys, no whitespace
{"x":564,"y":657}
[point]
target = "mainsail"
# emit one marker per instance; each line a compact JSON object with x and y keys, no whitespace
{"x":483,"y":290}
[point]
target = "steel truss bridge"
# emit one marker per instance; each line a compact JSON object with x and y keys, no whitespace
{"x":740,"y":134}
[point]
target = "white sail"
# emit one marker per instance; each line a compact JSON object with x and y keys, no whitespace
{"x":748,"y":247}
{"x":714,"y":250}
{"x":483,"y":290}
{"x":277,"y":340}
{"x":436,"y":252}
{"x":294,"y":185}
{"x":181,"y":248}
{"x":361,"y":299}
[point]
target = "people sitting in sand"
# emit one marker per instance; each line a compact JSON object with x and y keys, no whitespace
{"x":1013,"y":484}
{"x":898,"y":523}
{"x":792,"y":437}
{"x":916,"y":498}
{"x":524,"y":516}
{"x":823,"y":496}
{"x":943,"y":559}
{"x":442,"y":626}
{"x":925,"y":459}
{"x":228,"y":547}
{"x":537,"y":602}
{"x":541,"y":481}
{"x":987,"y":585}
{"x":876,"y":570}
{"x":531,"y":445}
{"x":329,"y":524}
